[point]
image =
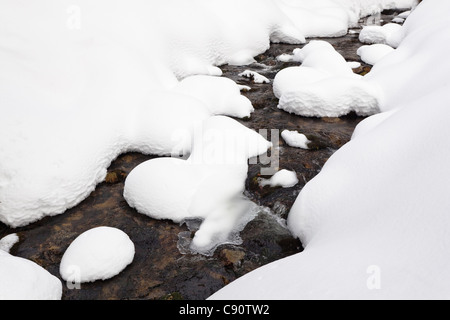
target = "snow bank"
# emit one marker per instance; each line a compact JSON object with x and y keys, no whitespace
{"x":374,"y":53}
{"x":295,"y":139}
{"x":97,"y":254}
{"x":324,"y":85}
{"x":22,"y":279}
{"x":208,"y":185}
{"x":360,"y":219}
{"x":401,"y":72}
{"x":283,"y":178}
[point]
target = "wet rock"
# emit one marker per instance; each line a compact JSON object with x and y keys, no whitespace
{"x":363,"y":70}
{"x":232,"y":258}
{"x":317,"y":142}
{"x":115,"y":176}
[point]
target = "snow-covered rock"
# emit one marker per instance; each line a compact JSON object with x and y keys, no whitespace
{"x":373,"y":53}
{"x":97,"y":254}
{"x":283,"y":178}
{"x":322,"y":56}
{"x":254,"y":76}
{"x":390,"y":34}
{"x":294,"y":78}
{"x":324,"y":85}
{"x":332,"y":97}
{"x":295,"y":139}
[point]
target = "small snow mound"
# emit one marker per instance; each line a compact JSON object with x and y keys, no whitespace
{"x":295,"y":139}
{"x":354,"y":64}
{"x":324,"y":85}
{"x":97,"y":254}
{"x":333,"y":97}
{"x":255,"y":76}
{"x":283,"y":178}
{"x":322,"y":56}
{"x":374,"y":53}
{"x":387,"y":34}
{"x":293,"y":78}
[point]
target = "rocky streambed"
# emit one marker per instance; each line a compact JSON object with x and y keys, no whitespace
{"x":161,"y":269}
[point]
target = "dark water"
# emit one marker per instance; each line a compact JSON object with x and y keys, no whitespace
{"x":159,"y":270}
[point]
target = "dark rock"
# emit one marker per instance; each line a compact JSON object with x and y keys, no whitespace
{"x":116,"y":176}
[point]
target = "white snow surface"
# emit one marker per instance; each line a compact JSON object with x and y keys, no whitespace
{"x":373,"y":53}
{"x":423,"y":29}
{"x":283,"y":178}
{"x":390,"y":34}
{"x":22,"y":279}
{"x":295,"y":139}
{"x":324,"y":85}
{"x":360,"y":218}
{"x":97,"y":254}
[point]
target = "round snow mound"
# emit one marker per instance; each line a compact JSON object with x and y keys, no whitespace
{"x":97,"y":254}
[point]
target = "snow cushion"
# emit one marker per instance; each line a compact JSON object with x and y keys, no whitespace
{"x":97,"y":254}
